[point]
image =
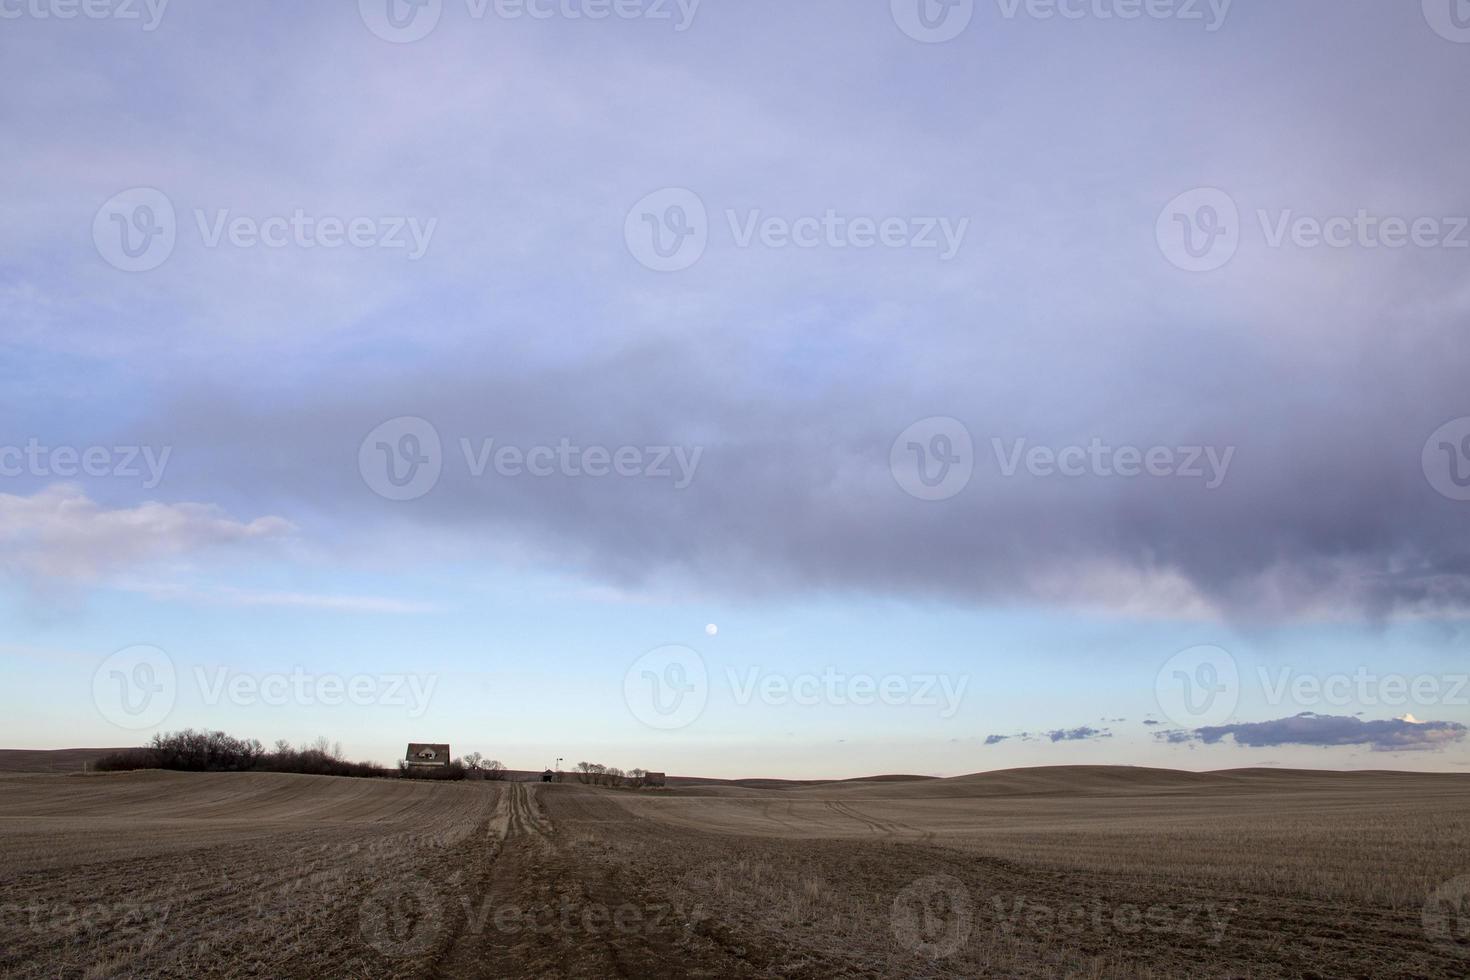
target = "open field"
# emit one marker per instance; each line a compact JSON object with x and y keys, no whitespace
{"x":1073,"y":872}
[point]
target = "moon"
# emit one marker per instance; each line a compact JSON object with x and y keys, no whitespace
{"x":711,"y":629}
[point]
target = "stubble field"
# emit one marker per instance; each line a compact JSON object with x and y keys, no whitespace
{"x":1051,"y":872}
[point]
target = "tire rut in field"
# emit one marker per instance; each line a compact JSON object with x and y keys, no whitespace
{"x":880,"y":828}
{"x":507,"y":925}
{"x":472,"y":906}
{"x":543,"y":910}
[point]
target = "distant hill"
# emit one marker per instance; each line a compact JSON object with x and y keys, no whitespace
{"x":49,"y":760}
{"x":757,"y":783}
{"x":1040,"y":781}
{"x":1034,"y":781}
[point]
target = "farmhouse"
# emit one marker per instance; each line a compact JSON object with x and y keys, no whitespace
{"x":429,"y":755}
{"x":653,"y":779}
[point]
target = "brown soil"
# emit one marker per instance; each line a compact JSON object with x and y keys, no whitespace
{"x":1084,"y":873}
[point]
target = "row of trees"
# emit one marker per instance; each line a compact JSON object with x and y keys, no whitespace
{"x":201,"y":751}
{"x":197,"y":751}
{"x":472,"y":766}
{"x":476,"y":766}
{"x":597,"y":774}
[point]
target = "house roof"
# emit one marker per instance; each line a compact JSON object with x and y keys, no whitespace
{"x":427,"y":753}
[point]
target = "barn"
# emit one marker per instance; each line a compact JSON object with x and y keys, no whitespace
{"x":430,"y":755}
{"x":653,"y":779}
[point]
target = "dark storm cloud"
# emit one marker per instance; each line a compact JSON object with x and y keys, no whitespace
{"x":1324,"y":511}
{"x":1317,"y":730}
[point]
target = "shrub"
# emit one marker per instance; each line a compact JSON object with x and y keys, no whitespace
{"x":127,"y":759}
{"x":455,"y":770}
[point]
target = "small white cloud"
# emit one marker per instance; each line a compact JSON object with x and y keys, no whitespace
{"x":60,"y":534}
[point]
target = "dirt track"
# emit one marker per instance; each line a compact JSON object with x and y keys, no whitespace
{"x":536,"y":910}
{"x":274,"y":875}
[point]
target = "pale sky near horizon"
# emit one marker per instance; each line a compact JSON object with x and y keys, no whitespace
{"x":1008,"y":388}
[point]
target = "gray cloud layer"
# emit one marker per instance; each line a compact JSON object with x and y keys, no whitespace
{"x":1059,"y":322}
{"x":1082,"y":733}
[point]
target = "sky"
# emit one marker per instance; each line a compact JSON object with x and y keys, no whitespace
{"x":804,"y":389}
